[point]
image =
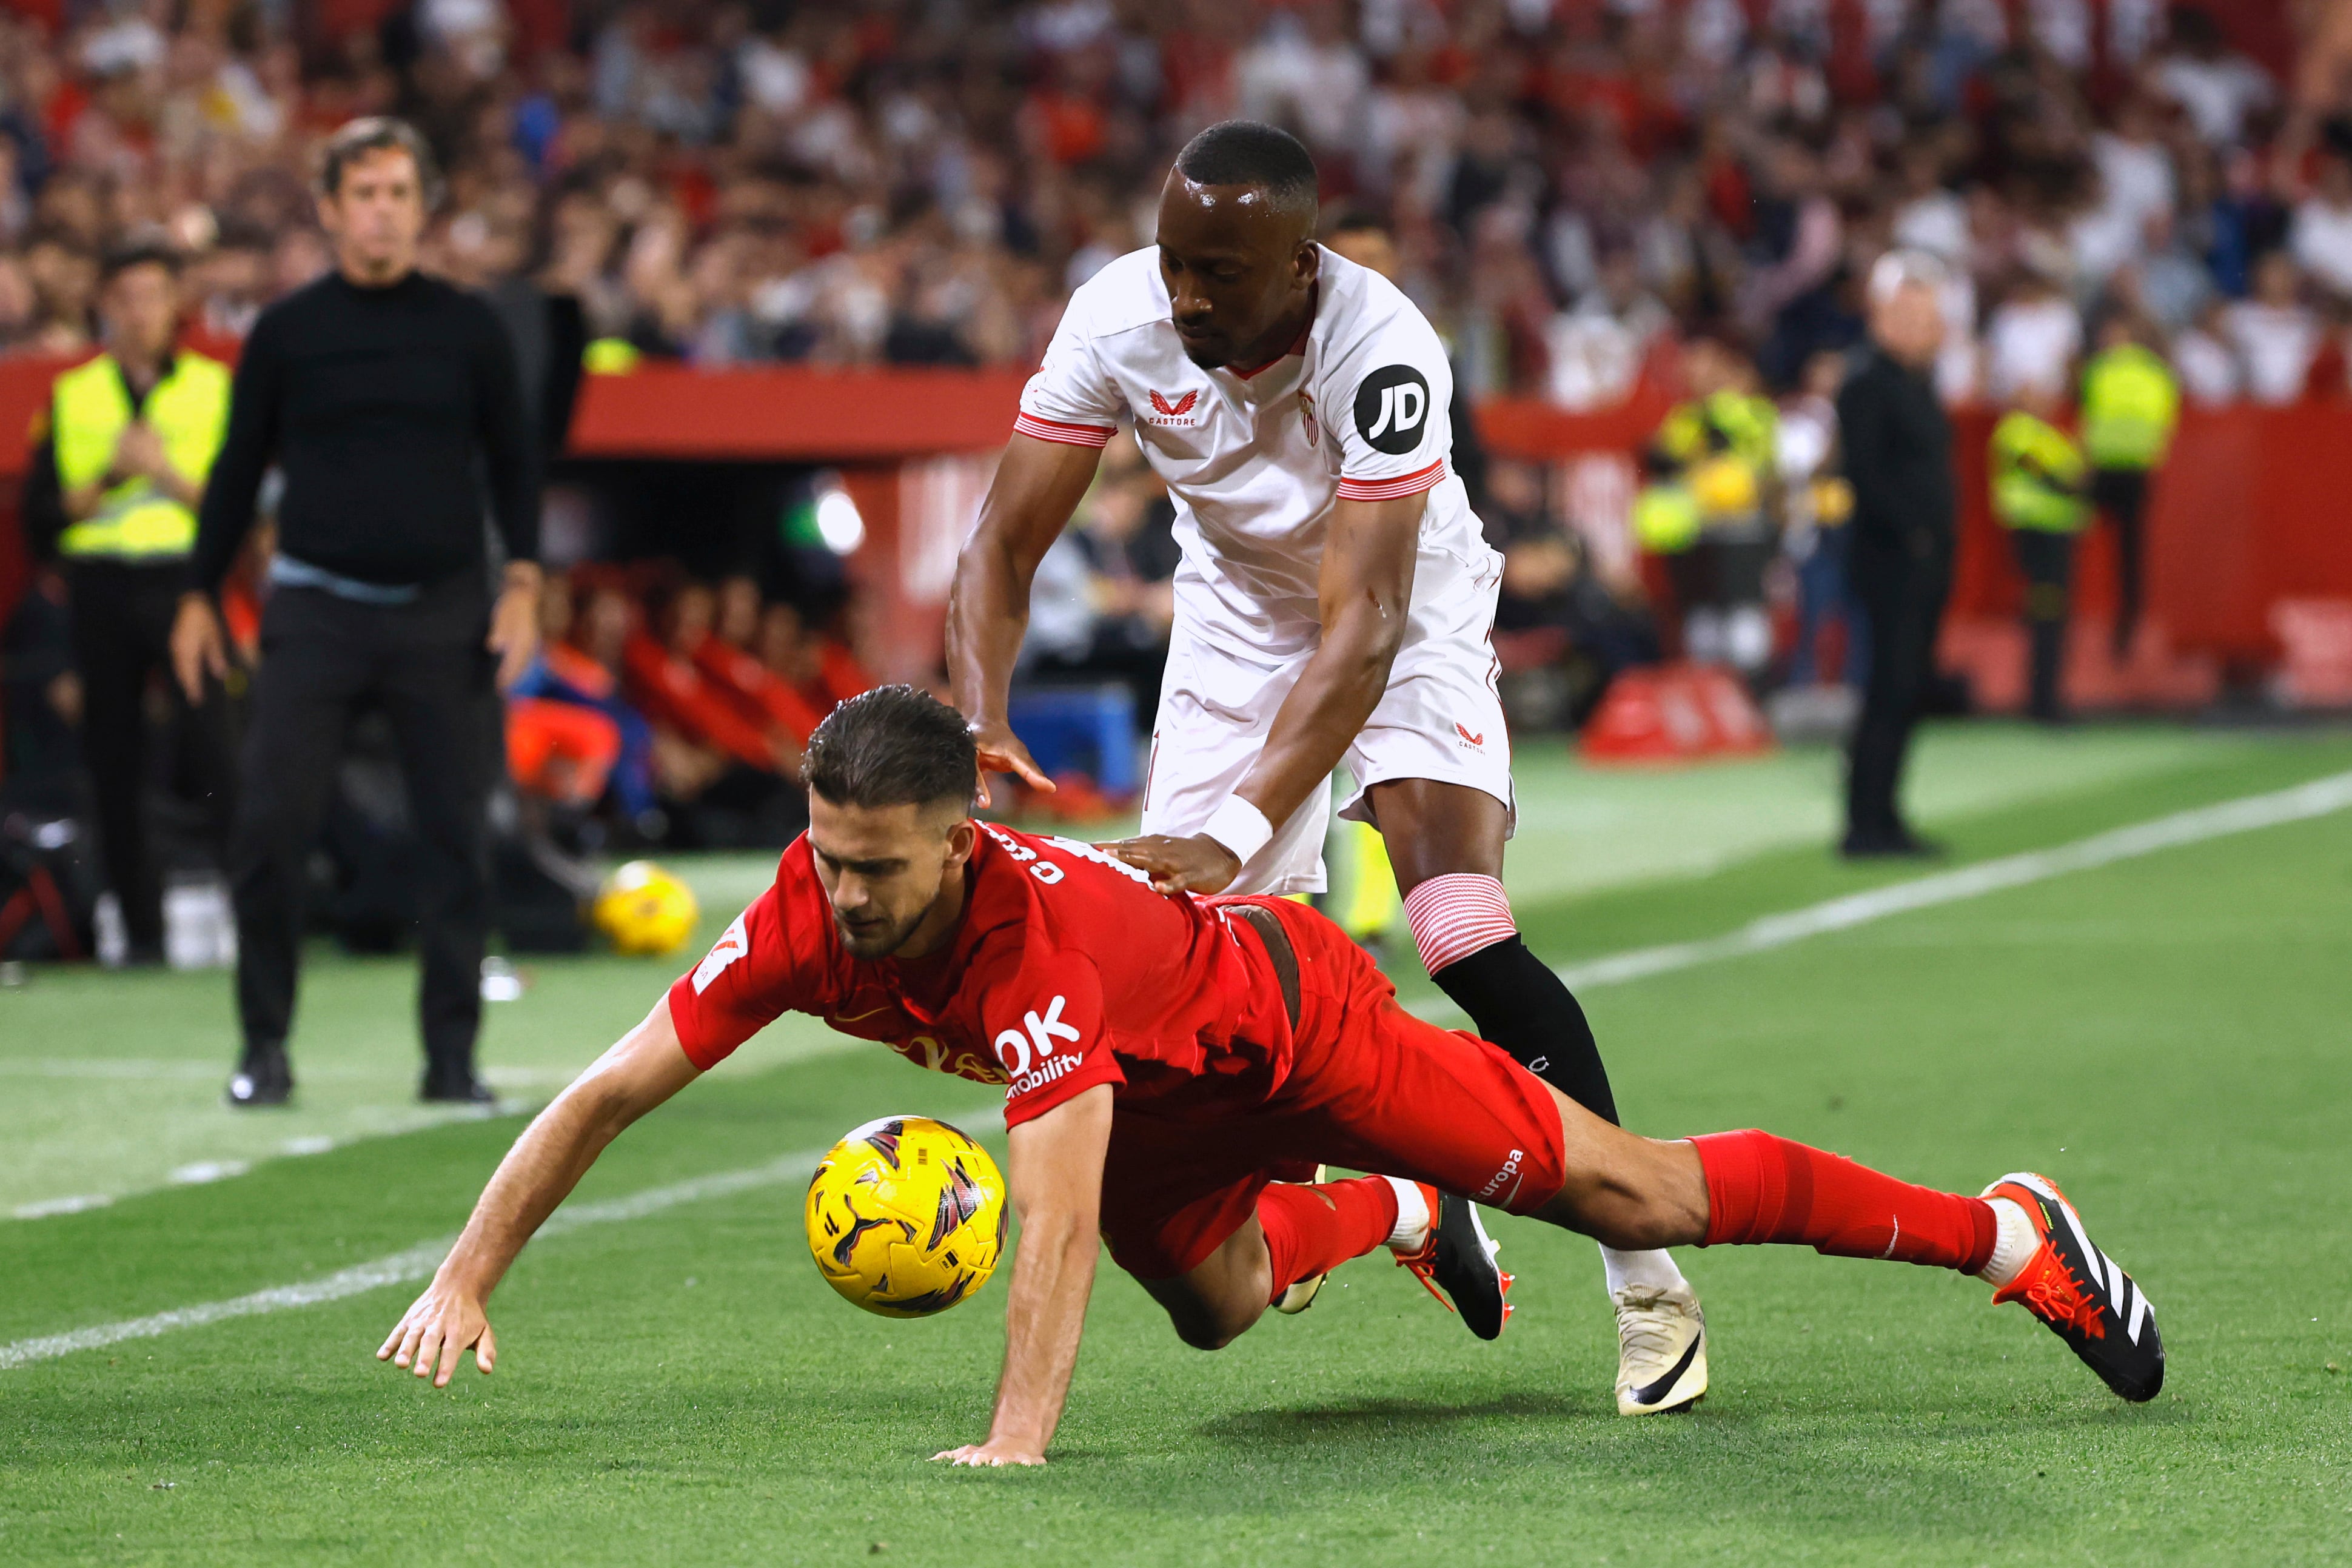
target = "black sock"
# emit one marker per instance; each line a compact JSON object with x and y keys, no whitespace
{"x":1520,"y":1005}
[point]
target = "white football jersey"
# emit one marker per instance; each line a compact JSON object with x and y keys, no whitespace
{"x":1358,"y":411}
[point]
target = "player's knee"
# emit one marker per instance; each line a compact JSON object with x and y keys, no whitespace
{"x":1205,"y":1322}
{"x":1206,"y":1334}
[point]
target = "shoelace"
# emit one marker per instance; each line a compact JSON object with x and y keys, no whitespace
{"x":2052,"y":1293}
{"x":1639,"y":1332}
{"x":1423,"y":1265}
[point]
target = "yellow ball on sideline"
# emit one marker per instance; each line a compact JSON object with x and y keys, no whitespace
{"x":645,"y":910}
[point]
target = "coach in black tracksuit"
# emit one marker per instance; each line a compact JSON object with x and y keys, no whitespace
{"x":388,"y":399}
{"x":1898,"y":457}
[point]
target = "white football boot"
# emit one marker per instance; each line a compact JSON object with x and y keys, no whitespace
{"x":1661,"y":1350}
{"x":1301,"y":1296}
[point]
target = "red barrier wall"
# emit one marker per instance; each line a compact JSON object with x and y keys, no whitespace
{"x":2256,"y":505}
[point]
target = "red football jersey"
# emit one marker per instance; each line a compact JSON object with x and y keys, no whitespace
{"x":1067,"y":971}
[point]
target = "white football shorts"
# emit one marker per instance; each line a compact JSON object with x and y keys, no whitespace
{"x":1440,"y":719}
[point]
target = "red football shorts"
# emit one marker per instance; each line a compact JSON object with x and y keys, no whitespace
{"x":1370,"y":1088}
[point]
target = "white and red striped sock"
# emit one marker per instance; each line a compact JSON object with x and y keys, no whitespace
{"x":1456,"y":915}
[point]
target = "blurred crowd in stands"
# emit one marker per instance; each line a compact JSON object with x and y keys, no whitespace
{"x":1574,"y":190}
{"x":922,"y":180}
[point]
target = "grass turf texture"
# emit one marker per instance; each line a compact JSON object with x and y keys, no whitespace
{"x":2165,"y":1036}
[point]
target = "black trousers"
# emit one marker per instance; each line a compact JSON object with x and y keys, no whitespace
{"x":423,"y":664}
{"x":2047,"y":560}
{"x":121,"y":642}
{"x":1902,"y":596}
{"x":2122,"y":494}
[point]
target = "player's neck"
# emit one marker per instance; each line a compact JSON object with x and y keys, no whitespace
{"x":1285,"y":337}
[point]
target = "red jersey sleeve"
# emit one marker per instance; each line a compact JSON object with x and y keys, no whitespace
{"x":1045,"y":1022}
{"x":751,"y":976}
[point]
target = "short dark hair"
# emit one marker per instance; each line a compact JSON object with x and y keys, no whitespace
{"x":378,"y":134}
{"x":1356,"y":220}
{"x":1251,"y":153}
{"x":140,"y":250}
{"x":894,"y":745}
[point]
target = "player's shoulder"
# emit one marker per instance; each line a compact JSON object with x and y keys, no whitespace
{"x":1125,"y":295}
{"x":1362,"y":313}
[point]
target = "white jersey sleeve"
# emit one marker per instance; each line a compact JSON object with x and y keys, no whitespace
{"x":1071,"y":399}
{"x":1387,"y":393}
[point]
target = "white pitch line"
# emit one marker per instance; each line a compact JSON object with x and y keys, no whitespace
{"x":419,"y":1262}
{"x":2321,"y":797}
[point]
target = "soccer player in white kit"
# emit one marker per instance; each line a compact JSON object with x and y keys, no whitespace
{"x":1334,"y":605}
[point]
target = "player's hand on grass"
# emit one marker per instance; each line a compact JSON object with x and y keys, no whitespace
{"x":990,"y":1454}
{"x":439,"y":1326}
{"x":1198,"y":864}
{"x":1000,"y":751}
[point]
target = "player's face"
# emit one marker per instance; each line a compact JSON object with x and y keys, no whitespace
{"x":893,"y":874}
{"x":1236,"y":267}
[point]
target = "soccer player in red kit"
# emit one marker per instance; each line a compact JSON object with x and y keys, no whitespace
{"x":1168,"y":1061}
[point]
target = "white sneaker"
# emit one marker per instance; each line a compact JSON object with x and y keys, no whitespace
{"x":1661,"y":1350}
{"x":1301,"y":1296}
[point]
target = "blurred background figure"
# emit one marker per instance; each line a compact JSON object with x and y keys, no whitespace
{"x":392,"y":404}
{"x":2041,"y":485}
{"x":1898,"y":457}
{"x":1819,"y":503}
{"x":1721,"y":450}
{"x":2131,"y":402}
{"x":126,"y":445}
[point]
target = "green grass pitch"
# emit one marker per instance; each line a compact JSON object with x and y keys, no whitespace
{"x":2169,"y":1036}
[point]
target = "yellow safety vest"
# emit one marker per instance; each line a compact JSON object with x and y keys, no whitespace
{"x":90,"y":408}
{"x":2130,"y":402}
{"x":1721,"y":448}
{"x":2037,"y":474}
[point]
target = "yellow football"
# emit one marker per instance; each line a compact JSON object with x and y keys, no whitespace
{"x":907,"y":1216}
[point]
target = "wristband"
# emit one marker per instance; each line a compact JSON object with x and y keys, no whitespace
{"x":1240,"y":826}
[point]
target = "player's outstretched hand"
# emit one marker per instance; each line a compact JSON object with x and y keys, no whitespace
{"x":1198,"y":864}
{"x":439,"y":1326}
{"x":990,"y":1454}
{"x":1000,"y":751}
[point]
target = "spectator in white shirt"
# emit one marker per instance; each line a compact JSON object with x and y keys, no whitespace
{"x":2134,"y":167}
{"x":2206,"y":363}
{"x":2217,"y":86}
{"x":2275,"y":334}
{"x":2031,"y":339}
{"x":2320,"y":237}
{"x":1932,"y":216}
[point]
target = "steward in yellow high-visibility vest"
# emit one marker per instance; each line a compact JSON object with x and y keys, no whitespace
{"x":2040,"y":484}
{"x":124,"y":447}
{"x":128,"y":493}
{"x":1710,"y":505}
{"x":2131,"y":404}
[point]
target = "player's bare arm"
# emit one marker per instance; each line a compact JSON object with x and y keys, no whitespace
{"x":1056,"y":1187}
{"x":1364,"y":591}
{"x":642,"y":1069}
{"x":1038,"y":484}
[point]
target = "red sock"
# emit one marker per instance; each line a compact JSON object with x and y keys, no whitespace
{"x":1311,"y":1229}
{"x":1760,"y":1188}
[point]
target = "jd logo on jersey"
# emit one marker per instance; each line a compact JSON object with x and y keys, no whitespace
{"x":1391,"y":408}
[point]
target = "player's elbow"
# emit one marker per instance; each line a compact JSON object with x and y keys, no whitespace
{"x":1369,"y":636}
